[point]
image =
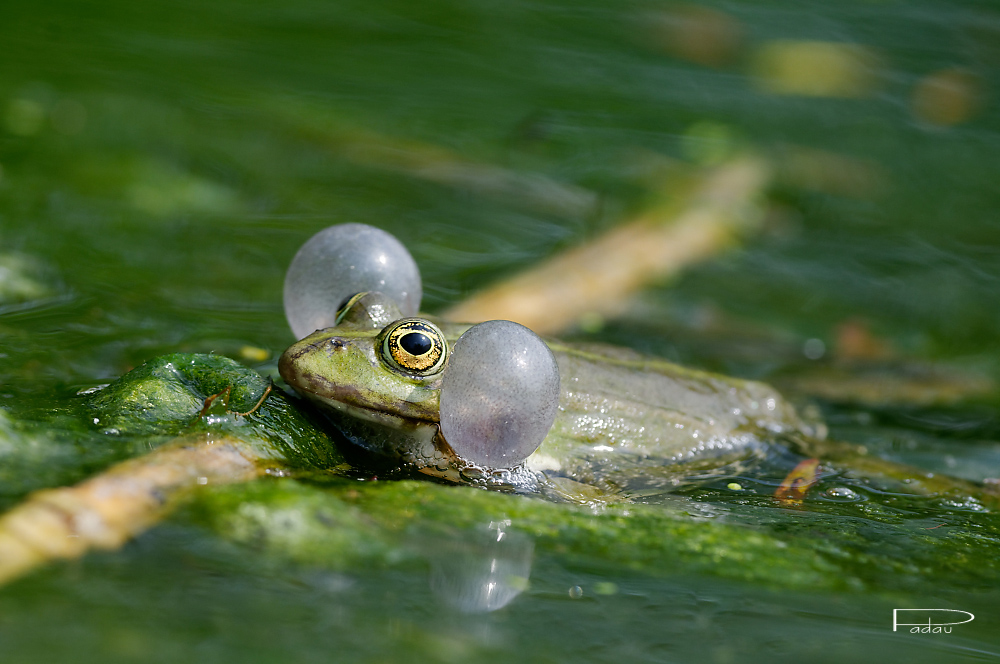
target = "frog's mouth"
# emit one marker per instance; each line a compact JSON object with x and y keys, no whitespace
{"x":357,"y":411}
{"x":416,"y":442}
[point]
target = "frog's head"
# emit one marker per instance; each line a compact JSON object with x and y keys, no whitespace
{"x":379,"y":373}
{"x":452,"y":400}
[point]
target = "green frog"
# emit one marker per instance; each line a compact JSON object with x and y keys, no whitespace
{"x":379,"y":376}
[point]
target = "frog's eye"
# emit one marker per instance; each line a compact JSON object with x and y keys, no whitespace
{"x":500,"y":394}
{"x":414,"y":346}
{"x":341,"y":261}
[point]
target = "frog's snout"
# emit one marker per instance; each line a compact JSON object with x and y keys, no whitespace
{"x":296,"y":364}
{"x":287,"y":361}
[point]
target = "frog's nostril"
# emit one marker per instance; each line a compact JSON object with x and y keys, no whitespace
{"x":336,"y":344}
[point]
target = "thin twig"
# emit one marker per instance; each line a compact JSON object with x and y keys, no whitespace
{"x":211,"y":399}
{"x":259,"y":403}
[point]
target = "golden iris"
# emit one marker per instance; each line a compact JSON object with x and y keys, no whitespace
{"x":415,"y":346}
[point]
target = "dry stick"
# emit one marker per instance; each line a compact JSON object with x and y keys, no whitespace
{"x":598,"y":278}
{"x":106,"y":511}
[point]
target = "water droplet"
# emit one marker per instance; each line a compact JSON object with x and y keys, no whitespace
{"x":814,"y":349}
{"x":841,"y":493}
{"x":576,"y":592}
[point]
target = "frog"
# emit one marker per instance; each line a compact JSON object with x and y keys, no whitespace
{"x":618,"y":411}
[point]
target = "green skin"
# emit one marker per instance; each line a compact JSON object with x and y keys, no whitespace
{"x":617,"y":408}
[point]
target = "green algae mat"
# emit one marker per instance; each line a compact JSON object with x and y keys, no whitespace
{"x":160,"y":164}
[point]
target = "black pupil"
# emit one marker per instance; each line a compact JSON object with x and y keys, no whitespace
{"x":415,"y":343}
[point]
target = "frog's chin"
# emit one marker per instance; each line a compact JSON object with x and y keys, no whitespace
{"x":399,"y":438}
{"x":418,"y":443}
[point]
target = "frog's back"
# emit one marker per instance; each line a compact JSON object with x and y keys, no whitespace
{"x":618,"y":403}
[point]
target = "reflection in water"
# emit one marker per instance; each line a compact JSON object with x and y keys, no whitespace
{"x":816,"y":68}
{"x":947,"y":97}
{"x":698,"y":34}
{"x":482,"y":571}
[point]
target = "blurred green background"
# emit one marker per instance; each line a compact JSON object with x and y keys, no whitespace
{"x":160,"y":163}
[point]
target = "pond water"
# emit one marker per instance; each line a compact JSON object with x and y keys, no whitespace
{"x":160,"y":163}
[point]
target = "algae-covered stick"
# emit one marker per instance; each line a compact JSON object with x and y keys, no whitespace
{"x":215,"y":441}
{"x":107,"y":510}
